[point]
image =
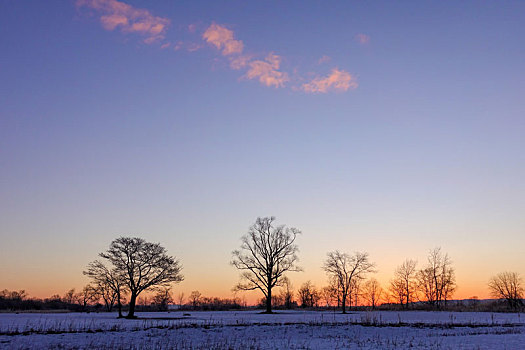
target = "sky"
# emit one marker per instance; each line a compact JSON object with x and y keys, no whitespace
{"x":383,"y":127}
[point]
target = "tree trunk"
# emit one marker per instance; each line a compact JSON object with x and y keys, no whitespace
{"x":132,"y":302}
{"x":269,"y":301}
{"x":119,"y":305}
{"x":407,"y":293}
{"x":343,"y":303}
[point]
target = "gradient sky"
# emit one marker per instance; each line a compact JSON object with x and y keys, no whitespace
{"x":385,"y":127}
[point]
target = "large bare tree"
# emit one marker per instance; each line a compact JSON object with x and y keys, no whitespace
{"x":344,"y":270}
{"x":437,"y":280}
{"x":404,"y":284}
{"x":508,"y":286}
{"x":267,"y":253}
{"x":140,"y":266}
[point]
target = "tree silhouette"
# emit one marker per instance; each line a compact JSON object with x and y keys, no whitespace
{"x":287,"y":293}
{"x":141,"y":265}
{"x":437,"y":280}
{"x":163,"y":298}
{"x":195,"y":298}
{"x":267,"y":253}
{"x":373,"y":292}
{"x":508,"y":286}
{"x":110,"y":283}
{"x":404,"y":285}
{"x":308,"y":295}
{"x":344,"y":269}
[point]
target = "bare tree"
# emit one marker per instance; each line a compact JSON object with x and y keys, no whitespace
{"x":87,"y":296}
{"x":267,"y":253}
{"x":107,"y":294}
{"x":70,"y":297}
{"x":344,"y":269}
{"x":397,"y":291}
{"x":437,"y":281}
{"x":142,"y":265}
{"x":329,"y":295}
{"x":54,"y":297}
{"x":308,"y":295}
{"x":195,"y":298}
{"x":404,"y":284}
{"x":508,"y":286}
{"x":110,"y":283}
{"x":372,"y":291}
{"x":355,"y":291}
{"x":14,"y":295}
{"x":163,"y":298}
{"x":287,"y":293}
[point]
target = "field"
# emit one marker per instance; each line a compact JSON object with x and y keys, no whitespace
{"x":251,"y":330}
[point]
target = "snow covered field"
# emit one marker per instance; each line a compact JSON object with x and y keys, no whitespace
{"x":251,"y":330}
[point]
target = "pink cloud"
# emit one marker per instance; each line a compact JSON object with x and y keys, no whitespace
{"x":324,"y":59}
{"x":192,"y":28}
{"x":239,"y":62}
{"x":362,"y":39}
{"x":117,"y":14}
{"x":178,"y":45}
{"x":222,"y":38}
{"x":267,"y":71}
{"x":192,"y":47}
{"x":337,"y":80}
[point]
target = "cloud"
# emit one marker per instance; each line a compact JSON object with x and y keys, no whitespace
{"x":178,"y":45}
{"x":337,"y":80}
{"x":192,"y":47}
{"x":192,"y":28}
{"x":222,"y":38}
{"x":117,"y":14}
{"x":239,"y":62}
{"x":324,"y":59}
{"x":362,"y":39}
{"x":267,"y":71}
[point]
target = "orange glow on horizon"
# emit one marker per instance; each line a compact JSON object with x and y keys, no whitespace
{"x":252,"y":297}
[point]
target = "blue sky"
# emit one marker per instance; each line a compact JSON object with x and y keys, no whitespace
{"x":104,"y":132}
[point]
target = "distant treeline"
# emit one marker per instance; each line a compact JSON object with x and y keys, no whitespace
{"x":16,"y":301}
{"x":77,"y":302}
{"x":19,"y":301}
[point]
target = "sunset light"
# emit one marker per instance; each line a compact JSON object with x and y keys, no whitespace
{"x":306,"y":156}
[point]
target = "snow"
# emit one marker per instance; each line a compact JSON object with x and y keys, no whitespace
{"x":250,"y":329}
